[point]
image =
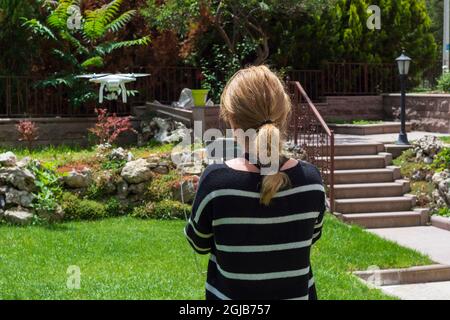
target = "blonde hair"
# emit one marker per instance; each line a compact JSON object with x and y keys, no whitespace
{"x":255,"y":98}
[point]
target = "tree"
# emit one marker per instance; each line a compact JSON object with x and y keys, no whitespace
{"x":405,"y":24}
{"x":14,"y":42}
{"x":81,"y":38}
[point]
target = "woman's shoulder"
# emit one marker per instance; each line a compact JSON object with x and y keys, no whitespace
{"x":306,"y":173}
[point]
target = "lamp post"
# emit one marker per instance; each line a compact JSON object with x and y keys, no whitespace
{"x":403,"y":67}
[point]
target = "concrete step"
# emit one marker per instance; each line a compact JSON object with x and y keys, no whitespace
{"x":380,"y":160}
{"x":387,"y":219}
{"x":363,"y":148}
{"x":373,"y":190}
{"x":388,"y":174}
{"x":367,"y":205}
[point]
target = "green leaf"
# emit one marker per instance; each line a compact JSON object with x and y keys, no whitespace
{"x":93,"y":62}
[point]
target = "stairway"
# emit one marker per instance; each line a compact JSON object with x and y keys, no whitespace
{"x":369,"y":191}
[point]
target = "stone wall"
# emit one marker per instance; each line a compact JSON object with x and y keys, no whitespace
{"x":352,"y":108}
{"x":57,"y":131}
{"x":427,"y":112}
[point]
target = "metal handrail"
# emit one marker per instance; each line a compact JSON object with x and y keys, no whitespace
{"x":307,"y":125}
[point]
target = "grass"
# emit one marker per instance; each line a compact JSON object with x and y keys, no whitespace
{"x":126,"y":258}
{"x":64,"y":155}
{"x":445,"y":139}
{"x":355,"y":122}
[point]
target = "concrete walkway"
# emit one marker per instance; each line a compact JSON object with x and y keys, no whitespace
{"x":431,"y":241}
{"x":384,"y":138}
{"x":421,"y":291}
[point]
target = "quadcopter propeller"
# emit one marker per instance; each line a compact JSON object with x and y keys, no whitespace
{"x":135,"y":75}
{"x":92,"y":76}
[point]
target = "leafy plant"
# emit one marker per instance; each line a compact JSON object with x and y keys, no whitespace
{"x":445,"y":212}
{"x":28,"y":132}
{"x":444,"y":82}
{"x":108,"y":128}
{"x":164,"y":210}
{"x":82,"y":41}
{"x":442,"y":160}
{"x":160,"y":187}
{"x":76,"y":208}
{"x":49,"y":189}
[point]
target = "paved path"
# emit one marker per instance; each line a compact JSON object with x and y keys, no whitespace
{"x":422,"y":291}
{"x":430,"y":241}
{"x":384,"y":138}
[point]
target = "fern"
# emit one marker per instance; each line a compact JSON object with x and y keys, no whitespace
{"x":109,"y":47}
{"x":38,"y":28}
{"x":93,"y":62}
{"x":58,"y":17}
{"x":121,"y":21}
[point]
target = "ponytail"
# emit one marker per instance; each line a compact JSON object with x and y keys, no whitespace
{"x":268,"y":143}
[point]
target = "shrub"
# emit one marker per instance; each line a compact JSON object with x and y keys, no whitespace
{"x":164,"y":210}
{"x":108,"y":128}
{"x":160,"y":187}
{"x":76,"y":208}
{"x":444,"y":82}
{"x":49,"y":188}
{"x":445,"y":212}
{"x":442,"y":160}
{"x":115,"y":208}
{"x":28,"y":132}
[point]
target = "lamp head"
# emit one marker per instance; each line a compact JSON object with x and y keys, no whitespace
{"x":403,"y":63}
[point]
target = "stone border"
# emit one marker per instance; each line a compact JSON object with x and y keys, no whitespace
{"x":368,"y":129}
{"x":440,"y":222}
{"x":421,"y":274}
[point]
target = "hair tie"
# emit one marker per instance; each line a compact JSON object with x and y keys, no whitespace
{"x":266,"y":122}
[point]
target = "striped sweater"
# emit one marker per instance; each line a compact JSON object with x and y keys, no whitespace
{"x":257,"y":251}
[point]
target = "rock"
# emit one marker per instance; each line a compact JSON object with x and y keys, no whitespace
{"x":427,"y":147}
{"x":122,"y":189}
{"x":24,"y":162}
{"x":106,"y":181}
{"x":14,"y":196}
{"x":2,"y":201}
{"x":441,"y":181}
{"x":120,"y":154}
{"x":20,"y":178}
{"x":291,"y":150}
{"x":137,"y":171}
{"x":163,"y":130}
{"x":8,"y":159}
{"x":18,"y":216}
{"x":139,"y":188}
{"x":161,"y":169}
{"x":191,"y":169}
{"x":185,"y":191}
{"x":78,"y":179}
{"x":54,"y":216}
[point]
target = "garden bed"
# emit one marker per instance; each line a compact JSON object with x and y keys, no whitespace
{"x":427,"y":166}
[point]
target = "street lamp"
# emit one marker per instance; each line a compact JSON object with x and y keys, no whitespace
{"x":403,"y":67}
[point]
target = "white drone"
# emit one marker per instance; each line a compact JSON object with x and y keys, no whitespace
{"x":113,"y":83}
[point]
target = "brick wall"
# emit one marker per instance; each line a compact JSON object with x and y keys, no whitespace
{"x":352,"y":108}
{"x":427,"y":112}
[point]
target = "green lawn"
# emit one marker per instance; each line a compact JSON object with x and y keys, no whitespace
{"x":126,"y":258}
